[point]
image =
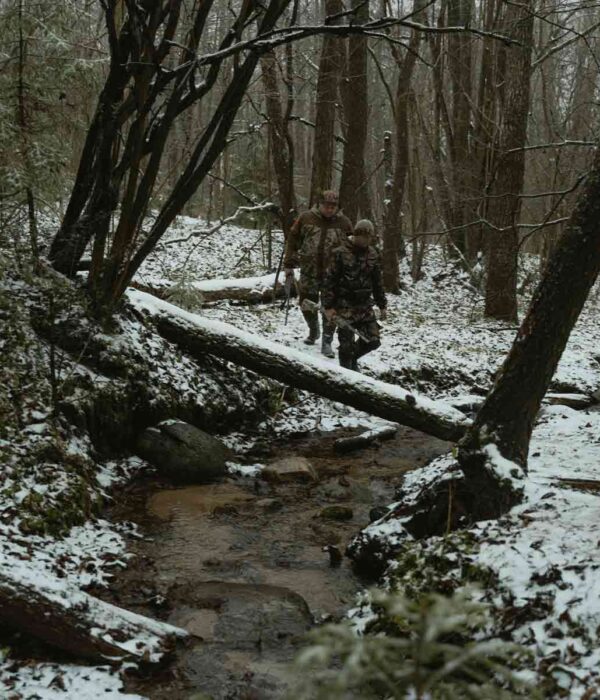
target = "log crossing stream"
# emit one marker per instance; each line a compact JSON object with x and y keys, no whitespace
{"x":241,"y":563}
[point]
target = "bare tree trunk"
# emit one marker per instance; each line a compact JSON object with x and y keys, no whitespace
{"x":354,"y":186}
{"x":279,"y":133}
{"x":393,"y":242}
{"x":460,"y":69}
{"x":505,"y":203}
{"x":24,"y":137}
{"x":329,"y":76}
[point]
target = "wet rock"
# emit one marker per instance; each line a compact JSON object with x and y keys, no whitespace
{"x":336,"y":512}
{"x":183,"y":453}
{"x":290,"y":469}
{"x":243,"y":616}
{"x":336,"y":492}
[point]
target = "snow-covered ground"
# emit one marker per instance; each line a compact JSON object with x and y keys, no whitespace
{"x":435,"y":342}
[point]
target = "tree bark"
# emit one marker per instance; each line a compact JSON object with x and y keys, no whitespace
{"x":278,"y":129}
{"x":460,"y":69}
{"x":393,"y":242}
{"x":354,"y":186}
{"x":505,"y":204}
{"x":199,"y":336}
{"x":329,"y":76}
{"x":69,"y":619}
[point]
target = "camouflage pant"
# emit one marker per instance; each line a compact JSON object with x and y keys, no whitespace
{"x":309,"y":288}
{"x":363,"y":321}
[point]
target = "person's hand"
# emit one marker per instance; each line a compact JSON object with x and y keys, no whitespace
{"x":329,"y":314}
{"x":383,"y":315}
{"x":289,"y":272}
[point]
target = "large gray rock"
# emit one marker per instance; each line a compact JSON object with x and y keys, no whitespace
{"x":183,"y":453}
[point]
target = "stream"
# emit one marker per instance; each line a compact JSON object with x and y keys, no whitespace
{"x":241,"y":563}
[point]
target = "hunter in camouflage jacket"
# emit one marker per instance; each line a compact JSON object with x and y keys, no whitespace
{"x":352,"y":284}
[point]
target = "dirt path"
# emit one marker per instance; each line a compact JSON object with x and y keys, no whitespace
{"x":241,"y":563}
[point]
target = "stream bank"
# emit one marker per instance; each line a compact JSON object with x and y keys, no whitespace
{"x":248,"y":566}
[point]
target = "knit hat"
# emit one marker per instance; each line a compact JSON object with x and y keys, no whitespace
{"x":329,"y":197}
{"x":364,"y":227}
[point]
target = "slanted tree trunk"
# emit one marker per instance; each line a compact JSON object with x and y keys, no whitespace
{"x":505,"y":204}
{"x":327,"y":91}
{"x":199,"y":336}
{"x":487,"y":477}
{"x":354,"y":186}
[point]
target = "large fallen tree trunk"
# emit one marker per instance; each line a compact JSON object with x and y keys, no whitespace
{"x":65,"y":617}
{"x":198,"y":336}
{"x":245,"y":290}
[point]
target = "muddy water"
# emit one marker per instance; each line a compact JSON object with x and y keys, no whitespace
{"x":241,"y":564}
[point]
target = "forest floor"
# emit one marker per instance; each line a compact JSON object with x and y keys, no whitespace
{"x":543,"y":554}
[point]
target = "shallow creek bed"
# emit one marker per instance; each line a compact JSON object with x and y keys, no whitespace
{"x":248,"y":565}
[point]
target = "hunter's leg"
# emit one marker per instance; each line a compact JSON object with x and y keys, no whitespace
{"x":370,"y":330}
{"x":308,"y":289}
{"x":347,"y":347}
{"x":328,"y":333}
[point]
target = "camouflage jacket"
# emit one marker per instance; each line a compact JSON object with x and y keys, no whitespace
{"x":312,"y":241}
{"x":354,"y":279}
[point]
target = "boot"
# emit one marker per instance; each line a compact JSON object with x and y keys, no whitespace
{"x":345,"y":359}
{"x":326,"y":348}
{"x":312,"y":321}
{"x":328,"y":332}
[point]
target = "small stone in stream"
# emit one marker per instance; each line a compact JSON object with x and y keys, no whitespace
{"x":269,"y":504}
{"x":183,"y":453}
{"x":289,"y":469}
{"x":335,"y":492}
{"x":336,"y":512}
{"x":335,"y":556}
{"x":410,"y":400}
{"x":377,"y":513}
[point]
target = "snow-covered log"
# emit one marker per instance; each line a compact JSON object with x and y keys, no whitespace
{"x":248,"y":290}
{"x":365,"y":439}
{"x":65,"y":617}
{"x":198,"y":336}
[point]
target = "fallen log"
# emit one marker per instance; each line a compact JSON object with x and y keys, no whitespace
{"x":244,"y":290}
{"x":67,"y":618}
{"x":197,"y":336}
{"x":362,"y":440}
